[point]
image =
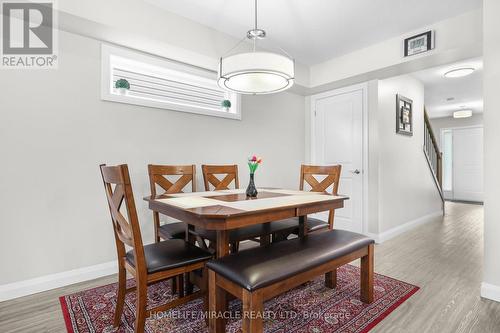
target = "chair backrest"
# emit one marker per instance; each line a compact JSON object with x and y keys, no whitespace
{"x":309,"y":173}
{"x":126,"y":229}
{"x":229,"y":172}
{"x":158,"y":176}
{"x":332,"y":173}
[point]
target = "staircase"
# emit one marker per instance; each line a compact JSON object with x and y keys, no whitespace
{"x":433,"y":155}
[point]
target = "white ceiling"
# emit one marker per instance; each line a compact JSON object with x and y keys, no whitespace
{"x":313,"y":31}
{"x":467,"y":91}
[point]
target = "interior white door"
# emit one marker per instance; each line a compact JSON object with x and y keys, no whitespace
{"x":468,"y":164}
{"x":338,"y":139}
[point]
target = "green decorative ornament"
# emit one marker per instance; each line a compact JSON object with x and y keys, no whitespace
{"x":226,"y":104}
{"x":122,"y":86}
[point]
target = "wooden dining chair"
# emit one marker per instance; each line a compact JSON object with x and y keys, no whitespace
{"x":212,"y":175}
{"x":159,"y":177}
{"x":329,"y":184}
{"x":147,"y":264}
{"x":221,"y":177}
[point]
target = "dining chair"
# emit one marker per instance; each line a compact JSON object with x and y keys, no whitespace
{"x":309,"y":174}
{"x":159,"y":177}
{"x":220,"y":177}
{"x":228,"y":173}
{"x":151,"y":263}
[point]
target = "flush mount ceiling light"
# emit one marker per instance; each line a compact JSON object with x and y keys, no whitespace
{"x":459,"y":72}
{"x":256,"y":72}
{"x":462,"y":114}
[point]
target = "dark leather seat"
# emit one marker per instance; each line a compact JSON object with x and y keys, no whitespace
{"x":250,"y":232}
{"x":262,"y":266}
{"x":170,"y":254}
{"x":291,"y":226}
{"x":315,"y":224}
{"x":176,"y":230}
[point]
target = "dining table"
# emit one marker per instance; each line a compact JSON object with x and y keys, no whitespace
{"x":225,"y":210}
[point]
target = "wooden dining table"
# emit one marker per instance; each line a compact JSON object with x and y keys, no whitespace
{"x":225,"y":210}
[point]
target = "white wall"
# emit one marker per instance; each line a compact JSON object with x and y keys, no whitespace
{"x":406,"y":190}
{"x":491,"y":279}
{"x":55,"y":131}
{"x":456,"y":38}
{"x":449,"y":122}
{"x":144,"y":26}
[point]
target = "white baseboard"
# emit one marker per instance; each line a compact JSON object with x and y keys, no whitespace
{"x":490,"y":291}
{"x":396,"y":231}
{"x":52,"y":281}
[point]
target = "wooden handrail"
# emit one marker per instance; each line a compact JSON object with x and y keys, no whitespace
{"x":433,"y":154}
{"x":431,"y":132}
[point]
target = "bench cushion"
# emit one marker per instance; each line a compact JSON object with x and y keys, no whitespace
{"x":262,"y":266}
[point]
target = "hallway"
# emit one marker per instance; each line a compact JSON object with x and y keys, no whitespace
{"x":445,"y":260}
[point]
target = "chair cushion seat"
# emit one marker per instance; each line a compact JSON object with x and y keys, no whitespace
{"x":312,"y":224}
{"x":252,"y":231}
{"x":170,"y":254}
{"x":315,"y":224}
{"x":176,"y":230}
{"x":262,"y":266}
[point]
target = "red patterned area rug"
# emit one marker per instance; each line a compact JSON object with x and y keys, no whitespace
{"x":309,"y":308}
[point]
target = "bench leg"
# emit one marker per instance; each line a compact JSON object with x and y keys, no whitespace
{"x":216,"y":304}
{"x":331,"y":279}
{"x":367,"y":276}
{"x":253,"y":309}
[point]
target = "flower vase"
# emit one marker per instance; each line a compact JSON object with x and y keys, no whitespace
{"x":251,"y":189}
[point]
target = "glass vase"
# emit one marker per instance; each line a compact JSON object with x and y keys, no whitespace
{"x":251,"y":189}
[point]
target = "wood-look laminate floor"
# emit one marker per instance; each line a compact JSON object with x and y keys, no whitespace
{"x":443,"y":258}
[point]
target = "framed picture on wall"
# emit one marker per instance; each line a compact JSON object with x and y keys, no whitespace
{"x":419,"y":44}
{"x":404,"y":115}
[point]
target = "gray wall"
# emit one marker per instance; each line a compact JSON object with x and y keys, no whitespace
{"x":406,"y":190}
{"x":55,"y":131}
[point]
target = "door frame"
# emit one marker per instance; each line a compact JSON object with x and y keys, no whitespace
{"x":364,"y":116}
{"x":452,"y":160}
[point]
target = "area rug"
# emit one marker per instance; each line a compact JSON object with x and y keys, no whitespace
{"x":308,"y":308}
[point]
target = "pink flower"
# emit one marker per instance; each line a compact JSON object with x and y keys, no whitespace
{"x":254,"y":158}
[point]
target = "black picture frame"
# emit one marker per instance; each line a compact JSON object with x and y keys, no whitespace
{"x":404,"y":115}
{"x":426,"y":37}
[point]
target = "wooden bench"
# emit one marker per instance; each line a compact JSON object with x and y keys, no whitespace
{"x":258,"y":274}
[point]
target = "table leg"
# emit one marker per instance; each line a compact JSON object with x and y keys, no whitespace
{"x":302,"y":226}
{"x":266,"y":238}
{"x":190,"y":238}
{"x":222,"y":243}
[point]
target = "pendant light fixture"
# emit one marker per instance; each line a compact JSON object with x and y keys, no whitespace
{"x":256,"y":72}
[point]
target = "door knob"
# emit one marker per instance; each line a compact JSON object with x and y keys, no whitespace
{"x":357,"y":172}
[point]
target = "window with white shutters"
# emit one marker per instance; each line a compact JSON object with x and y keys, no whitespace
{"x":155,"y":82}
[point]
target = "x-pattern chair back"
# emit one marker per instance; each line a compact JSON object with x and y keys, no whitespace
{"x":126,"y":229}
{"x":228,"y":172}
{"x":158,"y":176}
{"x":331,"y":173}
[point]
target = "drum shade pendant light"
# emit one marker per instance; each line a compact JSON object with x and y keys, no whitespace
{"x":256,"y":72}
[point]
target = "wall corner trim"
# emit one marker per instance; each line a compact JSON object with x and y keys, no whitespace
{"x":396,"y":231}
{"x":57,"y":280}
{"x":490,"y":291}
